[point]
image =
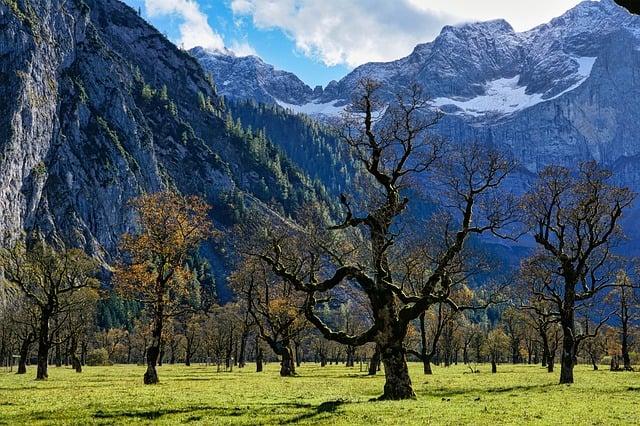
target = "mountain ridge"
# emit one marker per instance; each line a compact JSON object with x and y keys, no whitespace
{"x":561,"y":93}
{"x":486,"y":77}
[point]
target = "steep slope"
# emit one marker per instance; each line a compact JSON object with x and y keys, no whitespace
{"x":98,"y":107}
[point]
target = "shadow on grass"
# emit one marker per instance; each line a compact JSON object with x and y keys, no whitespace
{"x":199,"y":411}
{"x":522,"y":388}
{"x":192,"y":379}
{"x":151,"y":414}
{"x":325,"y":407}
{"x":448,"y":393}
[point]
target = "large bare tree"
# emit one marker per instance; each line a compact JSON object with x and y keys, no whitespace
{"x":574,"y":219}
{"x":394,"y":148}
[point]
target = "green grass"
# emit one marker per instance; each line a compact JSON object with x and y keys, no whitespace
{"x":334,"y":395}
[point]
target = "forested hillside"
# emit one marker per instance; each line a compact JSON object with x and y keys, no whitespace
{"x":100,"y":107}
{"x":308,"y":143}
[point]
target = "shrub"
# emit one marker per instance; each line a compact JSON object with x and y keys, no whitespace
{"x":98,"y":357}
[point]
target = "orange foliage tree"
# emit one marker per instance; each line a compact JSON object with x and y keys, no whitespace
{"x":153,"y":268}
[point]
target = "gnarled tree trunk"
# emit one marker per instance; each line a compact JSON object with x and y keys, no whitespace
{"x":43,"y":363}
{"x":75,"y":360}
{"x":374,"y":365}
{"x":397,"y":381}
{"x":287,"y":365}
{"x":44,"y":345}
{"x":151,"y":375}
{"x":24,"y":353}
{"x":259,"y":360}
{"x":426,"y":365}
{"x":153,"y":351}
{"x":567,"y":360}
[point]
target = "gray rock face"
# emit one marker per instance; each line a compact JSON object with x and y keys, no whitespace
{"x":98,"y":107}
{"x":248,"y":77}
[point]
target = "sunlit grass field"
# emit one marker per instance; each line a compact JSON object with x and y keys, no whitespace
{"x":336,"y":395}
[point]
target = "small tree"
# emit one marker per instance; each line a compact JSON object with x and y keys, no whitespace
{"x":574,"y":220}
{"x":513,"y":324}
{"x":222,"y":333}
{"x":153,"y":267}
{"x":627,"y":313}
{"x":80,"y":322}
{"x":22,"y":319}
{"x":495,"y":347}
{"x":275,"y":309}
{"x":50,"y":280}
{"x":433,"y":325}
{"x":541,"y":318}
{"x":193,"y":335}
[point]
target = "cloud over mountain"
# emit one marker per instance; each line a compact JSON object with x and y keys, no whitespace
{"x":194,"y":29}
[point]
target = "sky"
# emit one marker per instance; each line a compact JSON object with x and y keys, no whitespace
{"x":322,"y":40}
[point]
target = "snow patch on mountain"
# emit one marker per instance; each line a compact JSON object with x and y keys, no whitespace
{"x":315,"y":109}
{"x":586,"y":65}
{"x":505,"y":96}
{"x":502,"y":96}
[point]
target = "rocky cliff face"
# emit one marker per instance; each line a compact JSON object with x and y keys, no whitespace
{"x":78,"y":137}
{"x":98,"y":107}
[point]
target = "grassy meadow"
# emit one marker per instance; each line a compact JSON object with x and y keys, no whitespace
{"x":335,"y":395}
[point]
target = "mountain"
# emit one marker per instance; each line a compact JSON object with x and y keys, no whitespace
{"x":563,"y":92}
{"x":249,"y":77}
{"x":99,"y":107}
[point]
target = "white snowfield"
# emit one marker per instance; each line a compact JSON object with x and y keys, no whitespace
{"x":314,"y":109}
{"x":504,"y":96}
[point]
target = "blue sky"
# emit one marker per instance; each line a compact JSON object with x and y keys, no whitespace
{"x":322,"y":40}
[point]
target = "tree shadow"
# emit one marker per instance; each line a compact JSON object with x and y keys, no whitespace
{"x":150,"y":414}
{"x":448,"y":393}
{"x":325,"y":407}
{"x":521,"y":388}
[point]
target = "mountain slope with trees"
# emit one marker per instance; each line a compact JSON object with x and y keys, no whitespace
{"x":99,"y":108}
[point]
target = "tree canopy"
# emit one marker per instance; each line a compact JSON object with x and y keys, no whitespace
{"x":153,"y":268}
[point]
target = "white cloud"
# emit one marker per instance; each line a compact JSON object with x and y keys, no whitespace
{"x":242,"y":48}
{"x":338,"y":31}
{"x":522,"y":16}
{"x":352,"y":32}
{"x":194,"y":30}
